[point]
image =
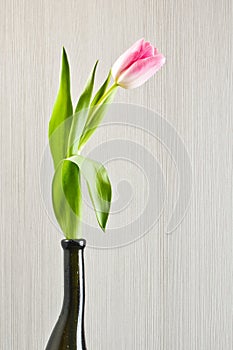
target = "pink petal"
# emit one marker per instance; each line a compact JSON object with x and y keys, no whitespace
{"x":127,"y":58}
{"x":141,"y":71}
{"x":147,"y":50}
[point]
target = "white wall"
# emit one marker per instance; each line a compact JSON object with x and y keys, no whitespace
{"x":162,"y":292}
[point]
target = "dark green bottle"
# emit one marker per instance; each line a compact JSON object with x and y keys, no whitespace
{"x":68,"y":332}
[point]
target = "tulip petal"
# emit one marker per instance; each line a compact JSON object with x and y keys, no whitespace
{"x":127,"y":59}
{"x":147,"y":50}
{"x":141,"y":71}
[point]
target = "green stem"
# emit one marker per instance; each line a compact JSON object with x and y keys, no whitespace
{"x":107,"y":93}
{"x":92,"y":110}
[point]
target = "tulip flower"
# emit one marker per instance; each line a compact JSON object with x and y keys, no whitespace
{"x":138,"y":64}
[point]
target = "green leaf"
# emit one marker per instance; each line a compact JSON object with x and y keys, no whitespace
{"x":98,"y":98}
{"x":85,"y":98}
{"x":96,"y":115}
{"x":98,"y":184}
{"x":67,"y":198}
{"x":81,"y":113}
{"x":60,"y":122}
{"x":101,"y":91}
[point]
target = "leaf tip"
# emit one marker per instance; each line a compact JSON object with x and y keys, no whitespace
{"x":103,"y":223}
{"x":95,"y":66}
{"x":64,"y":54}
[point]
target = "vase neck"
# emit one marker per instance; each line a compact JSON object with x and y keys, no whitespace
{"x":74,"y":285}
{"x":73,"y":270}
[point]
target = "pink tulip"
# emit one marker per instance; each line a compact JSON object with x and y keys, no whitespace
{"x":138,"y":64}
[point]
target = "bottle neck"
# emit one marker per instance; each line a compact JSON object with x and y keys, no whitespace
{"x":74,"y":285}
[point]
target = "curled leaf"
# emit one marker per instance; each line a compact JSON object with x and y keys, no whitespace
{"x":67,"y":198}
{"x":98,"y":184}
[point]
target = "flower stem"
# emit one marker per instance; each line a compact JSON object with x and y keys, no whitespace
{"x":115,"y":85}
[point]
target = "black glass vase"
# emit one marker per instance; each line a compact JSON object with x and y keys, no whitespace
{"x":68,"y":332}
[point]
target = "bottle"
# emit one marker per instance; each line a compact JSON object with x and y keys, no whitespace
{"x":68,"y":332}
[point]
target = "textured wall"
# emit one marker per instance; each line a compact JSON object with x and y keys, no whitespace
{"x":162,"y":292}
